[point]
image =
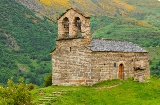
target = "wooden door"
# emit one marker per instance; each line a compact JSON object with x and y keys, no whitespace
{"x":121,"y":67}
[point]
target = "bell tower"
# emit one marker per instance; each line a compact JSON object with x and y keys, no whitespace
{"x":73,"y":24}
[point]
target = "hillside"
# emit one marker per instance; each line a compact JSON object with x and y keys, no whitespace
{"x":52,"y":8}
{"x":138,"y":20}
{"x":111,"y":92}
{"x":25,"y":43}
{"x":28,"y":29}
{"x":138,"y":26}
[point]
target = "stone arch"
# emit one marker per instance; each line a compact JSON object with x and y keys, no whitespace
{"x":65,"y":24}
{"x":77,"y":27}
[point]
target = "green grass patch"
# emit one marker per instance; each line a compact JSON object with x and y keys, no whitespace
{"x":108,"y":83}
{"x":127,"y":92}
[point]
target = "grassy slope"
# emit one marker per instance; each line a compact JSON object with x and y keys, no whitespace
{"x":113,"y":92}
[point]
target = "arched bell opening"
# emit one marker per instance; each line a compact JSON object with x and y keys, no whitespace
{"x":65,"y":24}
{"x":77,"y":27}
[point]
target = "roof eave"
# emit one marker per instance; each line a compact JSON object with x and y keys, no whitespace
{"x":116,"y":51}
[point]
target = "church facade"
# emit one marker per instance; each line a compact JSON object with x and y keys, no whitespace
{"x":80,"y":60}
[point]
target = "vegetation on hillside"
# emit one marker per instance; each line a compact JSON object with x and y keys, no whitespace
{"x":155,"y":60}
{"x":61,"y":3}
{"x":133,"y":30}
{"x":94,"y":7}
{"x":25,"y":44}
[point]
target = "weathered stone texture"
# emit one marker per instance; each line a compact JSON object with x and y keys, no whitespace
{"x":104,"y":62}
{"x":78,"y":61}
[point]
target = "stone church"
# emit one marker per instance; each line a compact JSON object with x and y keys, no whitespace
{"x":80,"y":60}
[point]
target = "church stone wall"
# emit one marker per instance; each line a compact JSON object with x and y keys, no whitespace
{"x":105,"y":65}
{"x":73,"y":64}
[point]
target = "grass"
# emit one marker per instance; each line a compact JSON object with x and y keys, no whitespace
{"x":127,"y":92}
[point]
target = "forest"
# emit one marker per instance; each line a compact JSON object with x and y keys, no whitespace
{"x":25,"y":44}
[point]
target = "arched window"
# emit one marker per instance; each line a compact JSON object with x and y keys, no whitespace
{"x":77,"y":23}
{"x":66,"y":27}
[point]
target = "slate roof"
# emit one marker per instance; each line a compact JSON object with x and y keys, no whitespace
{"x":114,"y":46}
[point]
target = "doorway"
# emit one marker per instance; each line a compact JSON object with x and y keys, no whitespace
{"x":121,"y":71}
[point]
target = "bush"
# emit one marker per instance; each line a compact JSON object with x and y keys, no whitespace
{"x":15,"y":94}
{"x":31,"y":86}
{"x":48,"y":80}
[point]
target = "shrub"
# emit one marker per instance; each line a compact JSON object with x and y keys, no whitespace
{"x":48,"y":80}
{"x":15,"y":94}
{"x":31,"y":86}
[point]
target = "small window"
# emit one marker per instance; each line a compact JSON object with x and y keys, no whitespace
{"x":114,"y":64}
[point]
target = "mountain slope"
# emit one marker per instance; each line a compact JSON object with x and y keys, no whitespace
{"x":25,"y":42}
{"x":138,"y":20}
{"x":53,"y":8}
{"x":138,"y":26}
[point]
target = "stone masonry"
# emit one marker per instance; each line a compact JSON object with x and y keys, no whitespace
{"x":80,"y":60}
